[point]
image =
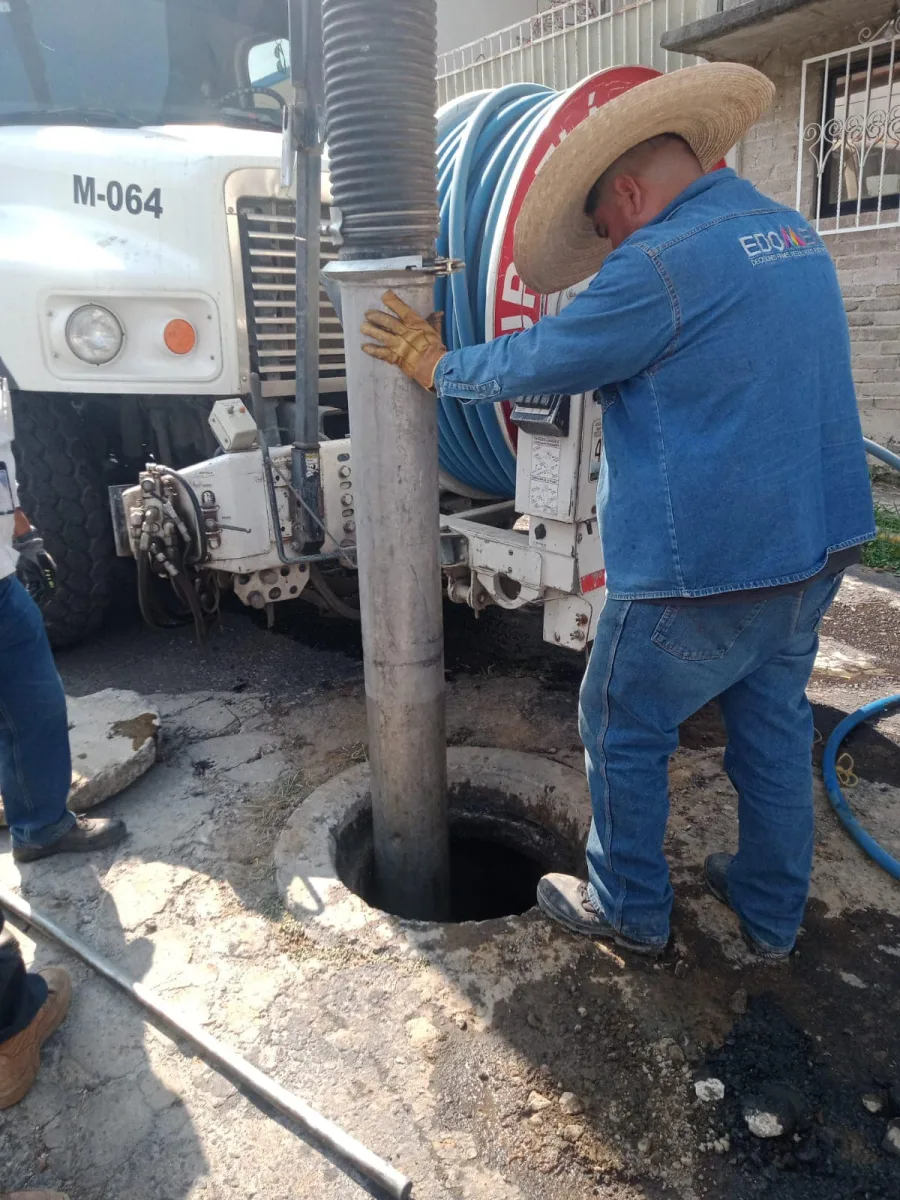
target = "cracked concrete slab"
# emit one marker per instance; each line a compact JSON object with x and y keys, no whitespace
{"x":258,"y":772}
{"x":226,"y":753}
{"x":207,"y":712}
{"x":209,"y":717}
{"x":177,"y":805}
{"x":113,"y":736}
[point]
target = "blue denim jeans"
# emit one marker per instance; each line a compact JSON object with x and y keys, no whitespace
{"x":21,"y":995}
{"x":653,"y":667}
{"x":35,"y":762}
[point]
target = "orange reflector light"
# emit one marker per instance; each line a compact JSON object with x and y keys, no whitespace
{"x":180,"y":336}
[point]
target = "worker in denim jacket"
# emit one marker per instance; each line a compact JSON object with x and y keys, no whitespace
{"x":735,"y":488}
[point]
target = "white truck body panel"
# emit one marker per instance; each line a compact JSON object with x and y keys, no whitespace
{"x":58,"y":250}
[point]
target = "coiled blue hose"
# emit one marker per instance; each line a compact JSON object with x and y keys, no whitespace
{"x":836,"y":796}
{"x":829,"y":760}
{"x":478,"y":153}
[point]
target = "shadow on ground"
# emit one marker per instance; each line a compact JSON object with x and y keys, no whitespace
{"x":432,"y":1057}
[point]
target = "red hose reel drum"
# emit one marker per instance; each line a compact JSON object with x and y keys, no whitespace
{"x":511,"y":305}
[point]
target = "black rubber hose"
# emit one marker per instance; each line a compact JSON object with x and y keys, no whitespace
{"x":152,"y":612}
{"x":331,"y":598}
{"x":193,"y":555}
{"x":381,"y":99}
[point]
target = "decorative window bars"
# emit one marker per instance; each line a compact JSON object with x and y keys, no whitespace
{"x":848,"y":174}
{"x":569,"y":40}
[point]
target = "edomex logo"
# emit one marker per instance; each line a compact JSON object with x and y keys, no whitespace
{"x":777,"y":243}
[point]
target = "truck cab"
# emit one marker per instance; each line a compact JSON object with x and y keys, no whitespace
{"x":147,"y":264}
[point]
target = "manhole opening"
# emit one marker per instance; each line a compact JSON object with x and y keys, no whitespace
{"x":497,"y":856}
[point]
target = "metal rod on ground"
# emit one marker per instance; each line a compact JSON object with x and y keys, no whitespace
{"x":382,"y":139}
{"x":289,"y":1105}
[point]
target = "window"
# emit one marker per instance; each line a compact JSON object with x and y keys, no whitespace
{"x":860,"y":136}
{"x":269,"y":63}
{"x":156,"y":62}
{"x":269,"y":66}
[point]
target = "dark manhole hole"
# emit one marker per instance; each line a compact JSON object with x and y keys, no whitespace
{"x":497,"y":856}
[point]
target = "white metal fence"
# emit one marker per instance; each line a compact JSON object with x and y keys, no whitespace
{"x":566,"y":42}
{"x":848,"y":174}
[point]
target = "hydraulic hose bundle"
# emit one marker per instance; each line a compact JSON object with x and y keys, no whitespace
{"x":171,"y":544}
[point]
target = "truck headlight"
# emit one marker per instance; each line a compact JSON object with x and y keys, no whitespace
{"x":94,"y":334}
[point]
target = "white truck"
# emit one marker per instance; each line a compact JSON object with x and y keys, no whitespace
{"x":148,"y":284}
{"x":226,"y":522}
{"x":146,"y":255}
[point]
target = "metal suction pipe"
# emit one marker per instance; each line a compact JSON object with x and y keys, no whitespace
{"x":380,"y":95}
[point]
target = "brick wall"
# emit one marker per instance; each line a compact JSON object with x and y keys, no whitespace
{"x":868,"y":263}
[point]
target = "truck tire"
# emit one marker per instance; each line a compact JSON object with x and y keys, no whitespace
{"x":61,"y":489}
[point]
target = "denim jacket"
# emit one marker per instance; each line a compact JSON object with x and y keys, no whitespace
{"x":717,"y":338}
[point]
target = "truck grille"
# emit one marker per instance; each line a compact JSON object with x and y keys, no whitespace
{"x":270,"y":279}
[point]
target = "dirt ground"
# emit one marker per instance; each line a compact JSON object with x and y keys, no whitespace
{"x":523,"y":1066}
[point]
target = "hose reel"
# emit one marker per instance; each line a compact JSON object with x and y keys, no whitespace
{"x":490,"y":147}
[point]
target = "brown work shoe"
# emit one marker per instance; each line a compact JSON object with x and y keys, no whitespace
{"x":20,"y":1056}
{"x":33,"y":1196}
{"x":86,"y":835}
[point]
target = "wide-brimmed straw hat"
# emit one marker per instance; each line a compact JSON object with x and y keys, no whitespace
{"x":711,"y":106}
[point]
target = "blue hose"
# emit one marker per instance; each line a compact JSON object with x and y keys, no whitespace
{"x":886,"y":456}
{"x":829,"y":760}
{"x":836,"y":796}
{"x":478,"y":155}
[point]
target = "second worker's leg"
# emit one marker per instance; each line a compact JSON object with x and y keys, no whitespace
{"x":35,"y":762}
{"x":31,"y":1007}
{"x":35,"y":759}
{"x":21,"y":994}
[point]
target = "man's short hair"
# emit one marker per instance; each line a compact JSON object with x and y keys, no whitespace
{"x":631,"y":159}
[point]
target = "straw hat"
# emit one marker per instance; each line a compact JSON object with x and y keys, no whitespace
{"x":711,"y":106}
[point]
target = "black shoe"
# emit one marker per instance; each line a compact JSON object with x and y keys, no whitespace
{"x":717,"y":884}
{"x":564,"y":899}
{"x":87,"y":834}
{"x":716,"y":868}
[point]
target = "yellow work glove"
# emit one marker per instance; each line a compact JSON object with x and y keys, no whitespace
{"x":405,"y":339}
